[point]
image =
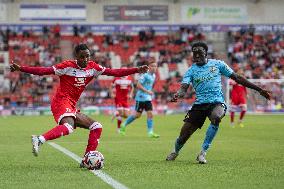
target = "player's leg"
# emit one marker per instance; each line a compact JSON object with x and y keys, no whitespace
{"x":64,"y":114}
{"x":126,"y":112}
{"x":65,"y":127}
{"x":125,"y":109}
{"x":232,"y":115}
{"x":150,"y":125}
{"x":119,"y":117}
{"x":233,"y":108}
{"x":186,"y":131}
{"x":116,"y":113}
{"x":139,"y":107}
{"x":194,"y":119}
{"x":129,"y":120}
{"x":215,"y":116}
{"x":242,"y":114}
{"x":83,"y":121}
{"x":95,"y":128}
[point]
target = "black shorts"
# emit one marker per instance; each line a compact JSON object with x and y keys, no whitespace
{"x":198,"y":113}
{"x":143,"y":105}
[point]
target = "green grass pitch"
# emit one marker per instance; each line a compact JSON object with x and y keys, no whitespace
{"x":249,"y":157}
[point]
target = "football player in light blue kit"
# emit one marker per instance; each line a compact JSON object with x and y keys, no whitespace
{"x":205,"y":77}
{"x":143,"y":99}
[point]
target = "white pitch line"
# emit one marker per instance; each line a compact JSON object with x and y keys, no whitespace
{"x":105,"y":177}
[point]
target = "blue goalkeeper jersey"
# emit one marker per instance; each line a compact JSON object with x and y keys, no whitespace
{"x":147,"y":81}
{"x":206,"y":80}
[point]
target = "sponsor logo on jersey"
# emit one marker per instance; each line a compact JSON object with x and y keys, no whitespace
{"x":80,"y":81}
{"x":213,"y":69}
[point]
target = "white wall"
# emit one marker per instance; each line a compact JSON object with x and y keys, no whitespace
{"x":263,"y":12}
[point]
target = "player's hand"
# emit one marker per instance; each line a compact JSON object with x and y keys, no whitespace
{"x":266,"y":94}
{"x":130,"y":96}
{"x":150,"y":92}
{"x":143,"y":69}
{"x":174,"y":98}
{"x":14,"y":67}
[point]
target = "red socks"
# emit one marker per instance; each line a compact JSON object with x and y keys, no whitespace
{"x":242,"y":114}
{"x":119,"y":120}
{"x":58,"y":131}
{"x":232,"y":117}
{"x":94,"y":136}
{"x":65,"y":129}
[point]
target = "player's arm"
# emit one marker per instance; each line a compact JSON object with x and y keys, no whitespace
{"x":246,"y":92}
{"x":243,"y":81}
{"x":228,"y":72}
{"x":32,"y":70}
{"x":131,"y":91}
{"x":111,"y":90}
{"x":186,"y":80}
{"x":125,"y":71}
{"x":180,"y":93}
{"x":140,"y":87}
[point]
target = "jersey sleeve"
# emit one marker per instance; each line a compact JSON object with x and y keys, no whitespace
{"x":61,"y":68}
{"x":37,"y":70}
{"x":142,"y":78}
{"x":225,"y":69}
{"x":98,"y":69}
{"x":187,"y":78}
{"x":120,"y":72}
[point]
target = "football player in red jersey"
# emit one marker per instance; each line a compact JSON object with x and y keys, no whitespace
{"x":74,"y":76}
{"x":121,"y":90}
{"x":238,"y":96}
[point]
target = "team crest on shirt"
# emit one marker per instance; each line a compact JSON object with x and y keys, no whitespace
{"x":213,"y":69}
{"x":80,"y":81}
{"x":88,"y":73}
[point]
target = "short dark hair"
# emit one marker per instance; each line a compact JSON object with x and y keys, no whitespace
{"x":80,"y":47}
{"x":199,"y":44}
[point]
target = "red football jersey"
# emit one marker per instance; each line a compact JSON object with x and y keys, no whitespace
{"x":74,"y":79}
{"x":122,"y":87}
{"x":238,"y":90}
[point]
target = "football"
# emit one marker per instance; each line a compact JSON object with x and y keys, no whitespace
{"x":93,"y":160}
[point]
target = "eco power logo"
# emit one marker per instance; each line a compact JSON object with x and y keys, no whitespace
{"x":193,"y":11}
